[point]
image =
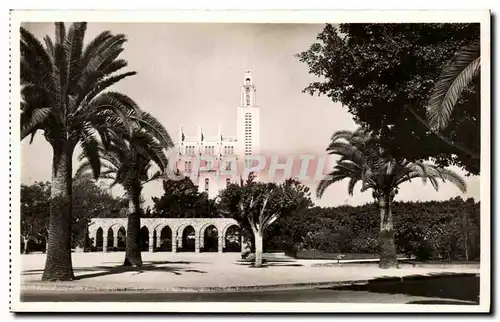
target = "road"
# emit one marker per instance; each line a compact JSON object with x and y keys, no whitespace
{"x":316,"y":295}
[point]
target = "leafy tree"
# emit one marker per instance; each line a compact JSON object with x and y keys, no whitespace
{"x":35,"y":209}
{"x":439,"y":230}
{"x":63,"y":90}
{"x":362,"y":160}
{"x":128,"y":161}
{"x":182,"y":199}
{"x":91,"y":201}
{"x":456,"y":77}
{"x":384,"y":73}
{"x":259,"y":205}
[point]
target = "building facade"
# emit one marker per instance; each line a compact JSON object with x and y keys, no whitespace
{"x":212,"y":161}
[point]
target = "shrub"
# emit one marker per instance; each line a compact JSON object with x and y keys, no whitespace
{"x":446,"y":230}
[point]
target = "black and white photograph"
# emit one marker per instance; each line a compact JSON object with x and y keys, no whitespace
{"x":259,"y":162}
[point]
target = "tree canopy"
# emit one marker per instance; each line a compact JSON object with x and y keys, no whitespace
{"x":181,"y":199}
{"x":383,"y":74}
{"x":284,"y":199}
{"x":89,"y":201}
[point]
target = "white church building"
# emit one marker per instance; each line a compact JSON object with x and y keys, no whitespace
{"x":212,"y":160}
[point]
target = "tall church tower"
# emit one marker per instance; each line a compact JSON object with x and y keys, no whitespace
{"x":248,"y":122}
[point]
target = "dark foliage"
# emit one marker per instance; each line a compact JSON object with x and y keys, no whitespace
{"x":383,"y":74}
{"x":181,"y":199}
{"x":447,"y":230}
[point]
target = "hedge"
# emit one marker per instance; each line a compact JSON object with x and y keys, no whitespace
{"x":446,"y":230}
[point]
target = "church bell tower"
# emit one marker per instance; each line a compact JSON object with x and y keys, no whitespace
{"x":248,"y":121}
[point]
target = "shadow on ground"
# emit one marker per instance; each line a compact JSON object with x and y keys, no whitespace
{"x":442,"y":302}
{"x":160,"y":262}
{"x":99,"y":271}
{"x":264,"y":265}
{"x":460,"y":287}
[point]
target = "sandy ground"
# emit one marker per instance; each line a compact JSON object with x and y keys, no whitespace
{"x":178,"y":271}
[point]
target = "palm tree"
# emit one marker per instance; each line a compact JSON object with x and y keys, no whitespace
{"x":63,"y":94}
{"x":128,"y":161}
{"x":362,"y":160}
{"x":454,"y":79}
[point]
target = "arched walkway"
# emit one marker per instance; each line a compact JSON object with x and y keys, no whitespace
{"x":144,"y":239}
{"x":121,"y":238}
{"x":167,"y":234}
{"x":165,"y":244}
{"x":99,"y":235}
{"x":210,"y":239}
{"x":188,"y":239}
{"x":109,"y":241}
{"x":232,"y":239}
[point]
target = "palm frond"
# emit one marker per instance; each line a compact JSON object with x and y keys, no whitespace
{"x":90,"y":147}
{"x":331,"y":178}
{"x":84,"y":167}
{"x":456,"y":179}
{"x":347,"y":151}
{"x":34,"y":48}
{"x":60,"y":32}
{"x":456,"y":77}
{"x":352,"y":183}
{"x":73,"y":46}
{"x":342,"y":135}
{"x":155,"y":128}
{"x":104,"y":84}
{"x":34,"y":121}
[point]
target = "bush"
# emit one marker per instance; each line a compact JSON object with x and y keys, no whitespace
{"x":446,"y":230}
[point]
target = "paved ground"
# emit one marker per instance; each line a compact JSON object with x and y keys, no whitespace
{"x":316,"y":295}
{"x":187,"y":272}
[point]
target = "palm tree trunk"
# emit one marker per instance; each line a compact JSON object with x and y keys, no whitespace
{"x":58,"y":265}
{"x":388,"y":256}
{"x":258,"y":249}
{"x":133,"y":241}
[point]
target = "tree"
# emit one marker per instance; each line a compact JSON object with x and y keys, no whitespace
{"x":384,"y":73}
{"x":91,"y":201}
{"x":63,"y":90}
{"x":363,"y":160}
{"x":128,"y":161}
{"x":35,"y":209}
{"x":456,"y":77}
{"x":258,"y":205}
{"x":228,"y":205}
{"x":181,"y":199}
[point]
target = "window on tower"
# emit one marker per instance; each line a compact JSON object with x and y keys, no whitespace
{"x":206,"y":185}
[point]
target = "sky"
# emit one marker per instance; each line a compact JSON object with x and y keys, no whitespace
{"x":190,"y":74}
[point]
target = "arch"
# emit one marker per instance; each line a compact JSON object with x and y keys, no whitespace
{"x":165,"y":240}
{"x":122,"y":237}
{"x":109,"y":241}
{"x":210,"y":239}
{"x":188,"y":239}
{"x":232,"y":238}
{"x":99,"y":239}
{"x":144,"y":239}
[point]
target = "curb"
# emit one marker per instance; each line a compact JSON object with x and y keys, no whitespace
{"x":243,"y":288}
{"x":268,"y":287}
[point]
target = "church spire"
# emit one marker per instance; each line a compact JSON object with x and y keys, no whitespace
{"x":248,"y":91}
